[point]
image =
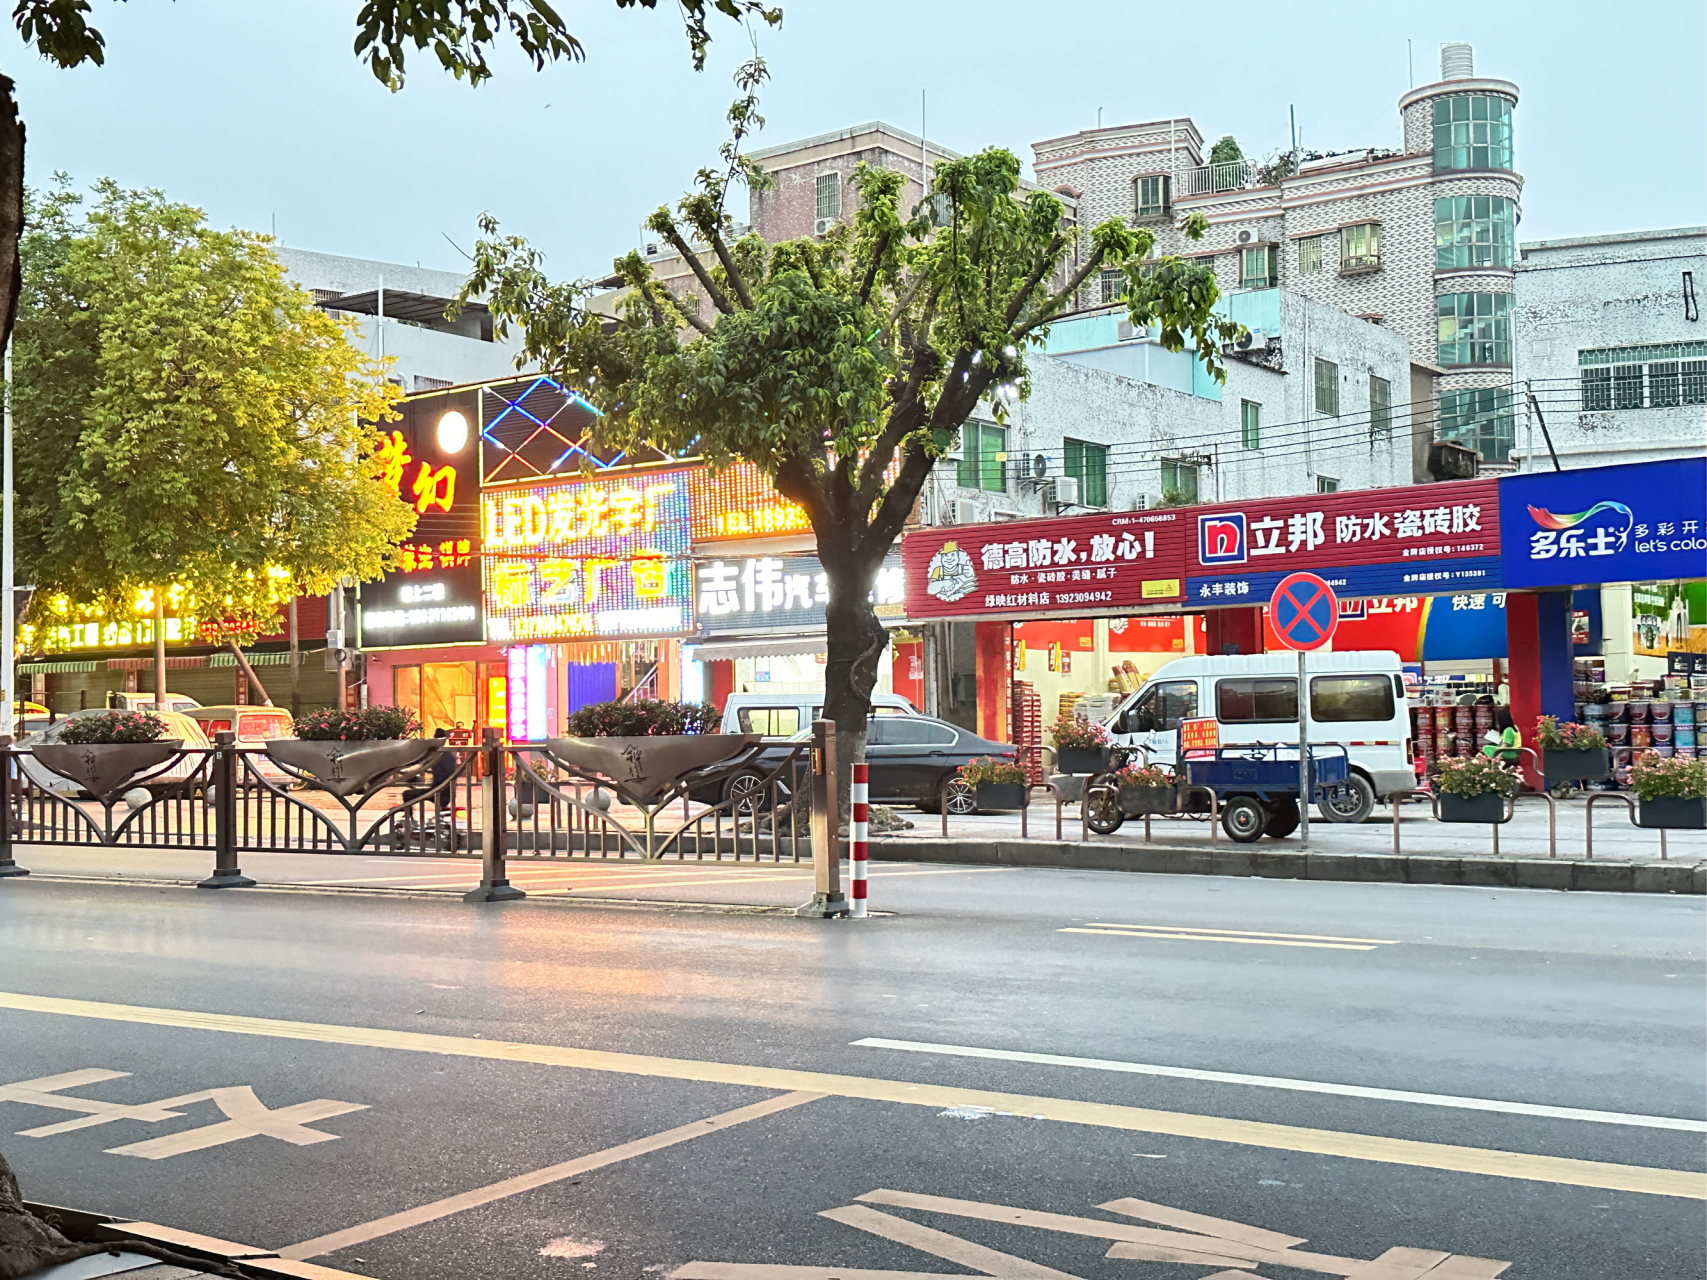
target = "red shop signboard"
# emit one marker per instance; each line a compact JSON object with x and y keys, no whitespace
{"x":1069,"y":566}
{"x":1426,"y":539}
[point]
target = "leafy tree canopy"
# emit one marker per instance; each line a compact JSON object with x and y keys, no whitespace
{"x":1225,"y":151}
{"x":842,"y":365}
{"x":185,"y":417}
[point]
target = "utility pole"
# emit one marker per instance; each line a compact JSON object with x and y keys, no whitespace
{"x":160,"y":647}
{"x":295,"y":664}
{"x":8,"y":621}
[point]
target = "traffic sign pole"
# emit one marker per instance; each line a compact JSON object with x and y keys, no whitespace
{"x":1305,"y":613}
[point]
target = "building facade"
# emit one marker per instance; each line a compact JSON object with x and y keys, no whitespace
{"x":1420,"y":239}
{"x":1611,"y":343}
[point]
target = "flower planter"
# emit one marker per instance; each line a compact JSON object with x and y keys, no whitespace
{"x":1135,"y":801}
{"x":644,"y":770}
{"x":993,"y":796}
{"x":105,"y":769}
{"x":1673,"y":812}
{"x":1078,"y":760}
{"x":346,"y":768}
{"x":1578,"y":764}
{"x":1489,"y":807}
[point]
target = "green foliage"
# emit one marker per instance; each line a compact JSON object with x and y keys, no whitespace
{"x":1074,"y":734}
{"x":644,"y":719}
{"x":1476,"y":775}
{"x":1175,"y":498}
{"x":186,"y":418}
{"x":1569,"y":736}
{"x":370,"y":724}
{"x":840,"y":365}
{"x":113,"y":726}
{"x":1657,"y":777}
{"x":1225,"y":151}
{"x":987,"y":771}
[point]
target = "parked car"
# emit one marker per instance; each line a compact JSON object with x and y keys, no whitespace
{"x":910,"y":759}
{"x":1357,"y":699}
{"x":778,"y":715}
{"x":175,"y":778}
{"x":253,"y":726}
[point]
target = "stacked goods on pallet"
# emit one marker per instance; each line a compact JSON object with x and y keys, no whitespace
{"x":1028,"y":729}
{"x":1126,"y":678}
{"x":1067,"y":701}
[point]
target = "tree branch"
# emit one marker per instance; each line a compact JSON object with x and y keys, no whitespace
{"x":871,"y":268}
{"x":667,"y":228}
{"x":904,"y":419}
{"x":729,"y":268}
{"x":658,"y":308}
{"x":1045,"y":260}
{"x":897,"y":504}
{"x":1054,"y":304}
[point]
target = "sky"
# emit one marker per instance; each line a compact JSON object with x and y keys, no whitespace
{"x":261,"y":115}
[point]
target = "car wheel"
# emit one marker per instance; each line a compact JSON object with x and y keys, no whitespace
{"x":1243,"y":818}
{"x":747,"y":790}
{"x":960,"y":798}
{"x":1103,"y":813}
{"x":1352,"y":803}
{"x":1283,"y":821}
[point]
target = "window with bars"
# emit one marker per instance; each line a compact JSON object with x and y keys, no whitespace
{"x":1653,"y":384}
{"x":1179,"y":481}
{"x":1250,"y":424}
{"x":1474,"y":231}
{"x":1150,"y":196}
{"x":1327,"y":387}
{"x":1479,"y":419}
{"x":829,"y":195}
{"x":1257,"y":267}
{"x":1088,"y":464}
{"x":1475,"y":328}
{"x":1472,"y":132}
{"x":1360,"y":247}
{"x":1380,"y":405}
{"x":1309,"y":255}
{"x":983,"y":457}
{"x":1112,"y":285}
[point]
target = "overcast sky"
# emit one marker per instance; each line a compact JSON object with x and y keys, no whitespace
{"x":259,"y":111}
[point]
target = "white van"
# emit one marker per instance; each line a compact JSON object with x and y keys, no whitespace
{"x":1356,"y":699}
{"x":782,"y":715}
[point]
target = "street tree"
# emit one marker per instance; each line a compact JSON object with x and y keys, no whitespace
{"x":843,"y":366}
{"x":187,"y":421}
{"x":459,"y":33}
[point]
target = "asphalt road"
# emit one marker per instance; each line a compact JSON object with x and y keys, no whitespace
{"x":451,"y":1051}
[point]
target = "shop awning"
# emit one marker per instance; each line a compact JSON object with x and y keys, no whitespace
{"x":147,"y":664}
{"x":57,"y":668}
{"x":266,"y":658}
{"x":729,"y":650}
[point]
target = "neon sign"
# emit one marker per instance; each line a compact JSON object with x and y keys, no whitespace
{"x":739,"y":502}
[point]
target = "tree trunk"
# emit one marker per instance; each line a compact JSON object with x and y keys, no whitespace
{"x":295,"y":664}
{"x":160,"y":648}
{"x":856,"y":643}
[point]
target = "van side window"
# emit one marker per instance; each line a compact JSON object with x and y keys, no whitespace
{"x":1161,"y":708}
{"x":1263,"y":700}
{"x":1341,"y":698}
{"x":775,"y":722}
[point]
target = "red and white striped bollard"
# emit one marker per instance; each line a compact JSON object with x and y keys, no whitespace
{"x":858,"y":830}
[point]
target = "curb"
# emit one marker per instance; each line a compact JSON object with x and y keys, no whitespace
{"x":1362,"y":868}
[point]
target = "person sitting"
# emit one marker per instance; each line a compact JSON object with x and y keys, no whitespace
{"x":443,"y":769}
{"x":1503,"y":740}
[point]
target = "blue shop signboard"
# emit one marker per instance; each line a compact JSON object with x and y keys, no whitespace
{"x":1643,"y":522}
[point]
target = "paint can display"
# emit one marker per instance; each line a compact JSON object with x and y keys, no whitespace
{"x":1484,"y":719}
{"x":1684,"y":713}
{"x":1683,"y":736}
{"x":1442,"y":742}
{"x":1617,"y":731}
{"x":1660,"y":712}
{"x":1661,"y":732}
{"x":1638,"y":712}
{"x":1641,"y":736}
{"x":1663,"y":749}
{"x":1616,"y":712}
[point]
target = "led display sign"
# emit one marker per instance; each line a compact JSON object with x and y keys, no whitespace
{"x":433,"y":596}
{"x":739,"y":502}
{"x":602,"y":556}
{"x":738,"y":595}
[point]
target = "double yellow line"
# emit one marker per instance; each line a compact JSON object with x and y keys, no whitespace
{"x":1246,"y":937}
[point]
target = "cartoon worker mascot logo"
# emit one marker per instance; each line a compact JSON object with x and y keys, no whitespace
{"x":951,"y":576}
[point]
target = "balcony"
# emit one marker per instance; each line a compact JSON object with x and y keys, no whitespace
{"x":1360,"y":264}
{"x":1212,"y":179}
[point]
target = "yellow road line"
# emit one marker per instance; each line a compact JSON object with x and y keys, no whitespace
{"x":1641,"y":1179}
{"x":1194,"y":937}
{"x":1246,"y":933}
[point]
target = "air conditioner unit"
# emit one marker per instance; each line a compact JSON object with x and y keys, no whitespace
{"x":1067,"y":491}
{"x":1251,"y":342}
{"x":1126,"y":331}
{"x":822,"y":226}
{"x":1245,"y":235}
{"x":958,"y":511}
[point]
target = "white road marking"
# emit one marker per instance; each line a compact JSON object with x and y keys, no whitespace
{"x":1301,"y":1086}
{"x":1195,"y":930}
{"x":44,"y":1092}
{"x":247,"y":1117}
{"x":1192,"y":937}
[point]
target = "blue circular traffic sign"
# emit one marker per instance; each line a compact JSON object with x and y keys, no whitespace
{"x":1304,"y":612}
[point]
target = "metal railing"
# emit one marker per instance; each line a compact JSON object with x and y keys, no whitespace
{"x":1232,"y":175}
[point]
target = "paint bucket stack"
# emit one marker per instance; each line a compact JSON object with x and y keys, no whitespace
{"x":1464,"y":727}
{"x":1641,"y":727}
{"x":1422,"y":733}
{"x":1661,"y":727}
{"x":1683,"y":730}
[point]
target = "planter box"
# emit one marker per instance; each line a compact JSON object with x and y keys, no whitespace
{"x":1489,"y":807}
{"x":644,"y":770}
{"x":1083,"y":759}
{"x":1581,"y":764}
{"x":346,"y":768}
{"x":1673,"y":812}
{"x":1135,"y":801}
{"x":1001,"y":795}
{"x":105,"y":769}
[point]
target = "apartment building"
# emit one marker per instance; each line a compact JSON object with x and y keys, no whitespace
{"x":1611,"y":350}
{"x":1419,"y":239}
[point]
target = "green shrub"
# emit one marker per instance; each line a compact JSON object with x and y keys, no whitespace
{"x":1476,"y":776}
{"x":1073,"y":734}
{"x":646,"y":719}
{"x":370,"y":724}
{"x":1569,"y":736}
{"x":114,"y":726}
{"x":1146,"y":775}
